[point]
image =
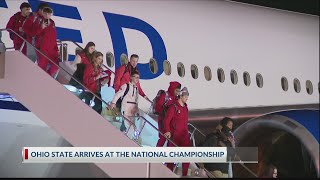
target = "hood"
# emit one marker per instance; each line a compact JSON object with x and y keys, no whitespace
{"x":18,"y":14}
{"x":173,"y":85}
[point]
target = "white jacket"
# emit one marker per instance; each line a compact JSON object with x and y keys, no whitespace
{"x":131,"y":97}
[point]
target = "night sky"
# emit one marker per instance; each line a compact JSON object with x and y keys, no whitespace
{"x":302,"y":6}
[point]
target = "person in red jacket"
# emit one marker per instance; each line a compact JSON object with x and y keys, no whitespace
{"x":162,"y":104}
{"x":176,"y":125}
{"x":122,"y":76}
{"x":30,"y":28}
{"x":80,"y":62}
{"x":15,"y":23}
{"x":84,"y":56}
{"x":46,"y":41}
{"x":94,"y":77}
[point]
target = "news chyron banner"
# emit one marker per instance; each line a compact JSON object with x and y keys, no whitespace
{"x":126,"y":154}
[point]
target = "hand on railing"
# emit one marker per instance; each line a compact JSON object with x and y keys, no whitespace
{"x":167,"y":135}
{"x":112,"y":106}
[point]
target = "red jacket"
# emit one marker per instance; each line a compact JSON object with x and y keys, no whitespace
{"x":30,"y":27}
{"x":160,"y":104}
{"x":84,"y":58}
{"x":46,"y":39}
{"x":15,"y":22}
{"x":109,"y":73}
{"x":89,"y":78}
{"x":176,"y":120}
{"x":122,"y":76}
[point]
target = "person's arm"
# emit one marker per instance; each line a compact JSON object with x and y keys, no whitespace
{"x":119,"y":94}
{"x":159,"y":104}
{"x":117,"y":78}
{"x":76,"y":61}
{"x":140,"y":90}
{"x":33,"y":28}
{"x":142,"y":93}
{"x":10,"y":24}
{"x":39,"y":26}
{"x":27,"y":26}
{"x":90,"y":77}
{"x":167,"y":120}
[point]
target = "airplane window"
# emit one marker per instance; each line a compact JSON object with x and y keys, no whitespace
{"x":259,"y":80}
{"x":246,"y":78}
{"x":296,"y":85}
{"x":167,"y":67}
{"x":284,"y":83}
{"x":181,"y":70}
{"x":110,"y":59}
{"x":234,"y":77}
{"x":309,"y":87}
{"x":153,"y":65}
{"x":207,"y":73}
{"x":221,"y":76}
{"x":194,"y":71}
{"x":123,"y":59}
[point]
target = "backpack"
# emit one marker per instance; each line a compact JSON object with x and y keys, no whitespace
{"x":125,"y":70}
{"x":11,"y":34}
{"x":125,"y":92}
{"x":35,"y":17}
{"x":161,"y":126}
{"x":156,"y":99}
{"x":118,"y":104}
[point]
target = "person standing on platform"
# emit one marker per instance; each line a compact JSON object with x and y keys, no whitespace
{"x":162,"y":103}
{"x":15,"y":23}
{"x":122,"y":76}
{"x":94,"y":78}
{"x":46,"y":41}
{"x":30,"y":28}
{"x":129,"y":93}
{"x":176,"y":126}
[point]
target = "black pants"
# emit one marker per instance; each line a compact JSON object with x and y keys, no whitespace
{"x":97,"y":102}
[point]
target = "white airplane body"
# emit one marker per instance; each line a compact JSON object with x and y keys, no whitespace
{"x":218,"y":37}
{"x":217,"y":34}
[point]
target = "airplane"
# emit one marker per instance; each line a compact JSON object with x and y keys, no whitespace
{"x":237,"y":60}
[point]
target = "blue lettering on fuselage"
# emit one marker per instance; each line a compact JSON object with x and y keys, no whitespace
{"x":116,"y":23}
